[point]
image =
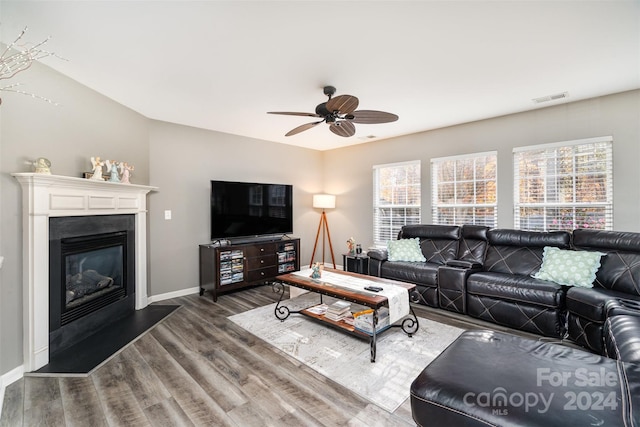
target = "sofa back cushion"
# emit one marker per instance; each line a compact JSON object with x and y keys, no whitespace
{"x":439,"y":243}
{"x":520,"y":252}
{"x":473,"y":243}
{"x":620,"y":267}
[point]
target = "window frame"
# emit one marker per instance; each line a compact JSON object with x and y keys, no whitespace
{"x":436,"y":206}
{"x":549,"y":223}
{"x":393,"y":227}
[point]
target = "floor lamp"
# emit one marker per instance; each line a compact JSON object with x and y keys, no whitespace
{"x":323,"y":201}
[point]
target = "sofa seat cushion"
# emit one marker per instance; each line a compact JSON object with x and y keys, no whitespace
{"x":419,"y":273}
{"x":484,"y":379}
{"x":591,"y":303}
{"x":518,"y":288}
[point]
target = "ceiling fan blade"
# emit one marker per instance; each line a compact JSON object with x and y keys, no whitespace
{"x":345,"y":104}
{"x":372,"y":117}
{"x":343,"y":128}
{"x":302,"y":128}
{"x":289,"y":113}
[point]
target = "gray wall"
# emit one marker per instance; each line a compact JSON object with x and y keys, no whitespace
{"x":348,"y":171}
{"x":181,"y":161}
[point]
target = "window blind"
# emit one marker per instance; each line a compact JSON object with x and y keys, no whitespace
{"x":563,"y":186}
{"x":464,"y":189}
{"x":396,"y":199}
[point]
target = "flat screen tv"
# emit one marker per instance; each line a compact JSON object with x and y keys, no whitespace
{"x":246,"y":209}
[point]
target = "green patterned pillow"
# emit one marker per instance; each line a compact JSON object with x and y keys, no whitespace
{"x":571,"y":268}
{"x":405,"y":250}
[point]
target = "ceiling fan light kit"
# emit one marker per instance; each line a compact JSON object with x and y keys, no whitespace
{"x":340,"y":114}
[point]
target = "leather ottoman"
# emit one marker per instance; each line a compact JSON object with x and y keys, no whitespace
{"x":492,"y":378}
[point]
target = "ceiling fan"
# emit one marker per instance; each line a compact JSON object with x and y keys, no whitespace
{"x":340,"y":114}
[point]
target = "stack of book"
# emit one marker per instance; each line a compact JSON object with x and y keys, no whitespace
{"x":338,"y":311}
{"x":364,"y":322}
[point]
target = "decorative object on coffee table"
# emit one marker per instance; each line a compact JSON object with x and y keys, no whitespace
{"x":323,"y":201}
{"x":316,"y":270}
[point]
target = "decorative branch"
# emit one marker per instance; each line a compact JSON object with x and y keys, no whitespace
{"x":18,"y":57}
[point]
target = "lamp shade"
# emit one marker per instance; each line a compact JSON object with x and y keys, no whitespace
{"x":324,"y":201}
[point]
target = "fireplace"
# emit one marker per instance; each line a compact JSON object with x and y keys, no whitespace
{"x":47,"y":198}
{"x":91,"y":275}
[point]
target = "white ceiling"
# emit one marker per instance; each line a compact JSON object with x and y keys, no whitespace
{"x":222,"y":65}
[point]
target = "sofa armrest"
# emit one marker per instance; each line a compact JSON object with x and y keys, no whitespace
{"x":461,"y":263}
{"x":378,"y":254}
{"x":624,"y":307}
{"x":376,"y":258}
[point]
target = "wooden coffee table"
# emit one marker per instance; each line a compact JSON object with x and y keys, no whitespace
{"x":409,"y":323}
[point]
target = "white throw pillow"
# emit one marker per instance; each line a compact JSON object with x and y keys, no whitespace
{"x":405,"y":250}
{"x":570,"y":268}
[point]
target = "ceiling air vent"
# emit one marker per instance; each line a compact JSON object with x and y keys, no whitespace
{"x":549,"y":98}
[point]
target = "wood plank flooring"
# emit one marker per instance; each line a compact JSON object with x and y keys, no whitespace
{"x":196,"y":369}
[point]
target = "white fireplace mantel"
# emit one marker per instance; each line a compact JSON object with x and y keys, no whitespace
{"x":45,"y":196}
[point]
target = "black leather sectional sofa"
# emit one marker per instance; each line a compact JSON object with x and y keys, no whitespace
{"x":488,"y":274}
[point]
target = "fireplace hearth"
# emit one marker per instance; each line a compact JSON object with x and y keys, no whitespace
{"x":91,"y":275}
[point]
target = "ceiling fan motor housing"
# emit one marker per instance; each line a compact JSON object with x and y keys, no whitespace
{"x":321,"y":110}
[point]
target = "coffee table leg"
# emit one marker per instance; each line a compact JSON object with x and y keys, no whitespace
{"x":410,"y":324}
{"x":281,"y":312}
{"x":373,"y":343}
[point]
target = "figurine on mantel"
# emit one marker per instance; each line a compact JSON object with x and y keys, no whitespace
{"x":126,"y":170}
{"x":112,"y":168}
{"x":41,"y":165}
{"x":97,"y":165}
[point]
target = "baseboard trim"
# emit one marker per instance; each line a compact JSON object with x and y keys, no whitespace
{"x":191,"y":291}
{"x":173,"y":294}
{"x":6,"y":380}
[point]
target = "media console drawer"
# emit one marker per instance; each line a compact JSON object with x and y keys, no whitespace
{"x":262,"y":274}
{"x":260,"y":249}
{"x":262,"y":262}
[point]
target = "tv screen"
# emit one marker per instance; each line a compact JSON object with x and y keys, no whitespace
{"x":244,"y":209}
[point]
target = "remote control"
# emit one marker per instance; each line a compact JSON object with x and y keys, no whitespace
{"x":373,"y":288}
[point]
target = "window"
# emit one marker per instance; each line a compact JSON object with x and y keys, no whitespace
{"x":565,"y":185}
{"x":465,"y":189}
{"x":396,"y":199}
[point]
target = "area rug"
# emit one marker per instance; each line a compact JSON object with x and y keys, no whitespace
{"x":346,"y":359}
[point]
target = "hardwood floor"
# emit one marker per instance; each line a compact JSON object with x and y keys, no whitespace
{"x":196,"y":369}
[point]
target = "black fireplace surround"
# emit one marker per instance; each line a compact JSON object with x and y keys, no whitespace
{"x":91,"y":275}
